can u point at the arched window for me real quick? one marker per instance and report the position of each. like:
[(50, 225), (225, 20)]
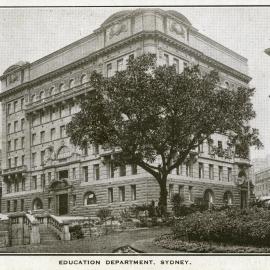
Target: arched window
[(83, 79), (61, 87), (209, 197), (89, 198), (227, 85), (52, 91), (71, 83), (228, 198), (42, 95), (64, 152), (33, 98), (37, 204)]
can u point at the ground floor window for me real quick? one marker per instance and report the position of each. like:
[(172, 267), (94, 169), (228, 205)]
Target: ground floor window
[(22, 204), (110, 195), (37, 204), (209, 197), (15, 205), (8, 206), (170, 191), (227, 198), (90, 198), (133, 193), (121, 194)]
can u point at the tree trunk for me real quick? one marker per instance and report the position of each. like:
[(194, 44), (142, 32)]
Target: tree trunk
[(163, 195)]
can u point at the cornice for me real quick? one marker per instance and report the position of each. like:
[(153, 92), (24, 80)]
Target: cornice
[(141, 35)]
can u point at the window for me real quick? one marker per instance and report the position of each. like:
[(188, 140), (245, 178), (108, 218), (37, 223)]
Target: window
[(15, 144), (8, 206), (189, 169), (37, 204), (166, 57), (9, 146), (9, 108), (9, 163), (131, 57), (9, 128), (120, 65), (90, 198), (23, 184), (83, 79), (229, 175), (179, 169), (22, 142), (15, 206), (220, 147), (190, 193), (109, 70), (110, 195), (42, 116), (134, 169), (42, 136), (49, 203), (73, 173), (74, 200), (181, 191), (122, 171), (85, 173), (49, 176), (228, 198), (34, 182), (22, 123), (133, 193), (61, 87), (43, 181), (95, 149), (211, 171), (8, 187), (16, 186), (112, 168), (22, 103), (201, 170), (62, 131), (176, 64), (71, 83), (220, 173), (15, 126), (42, 95), (200, 147), (170, 191), (96, 171), (52, 134), (22, 205), (33, 98), (34, 159), (15, 106), (85, 151), (16, 161), (34, 135), (42, 157), (121, 194)]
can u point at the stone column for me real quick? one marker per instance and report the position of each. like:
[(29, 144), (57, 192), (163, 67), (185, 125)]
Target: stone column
[(66, 233), (34, 234)]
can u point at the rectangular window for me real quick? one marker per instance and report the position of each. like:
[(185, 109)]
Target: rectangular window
[(120, 66), (110, 195), (220, 173), (22, 205), (42, 116), (42, 136), (201, 170), (62, 131), (22, 142), (85, 151), (134, 169), (112, 168), (15, 126), (52, 134), (34, 162), (49, 203), (200, 147), (166, 57), (43, 181), (122, 171), (170, 191), (85, 173), (211, 171), (49, 176), (109, 70), (133, 193), (176, 64), (16, 161), (22, 103), (34, 182), (121, 194), (181, 191), (15, 144), (190, 193), (34, 136), (95, 149), (74, 200), (16, 186), (9, 128), (229, 174), (9, 163), (42, 157), (9, 146), (22, 124), (96, 171), (15, 206), (23, 184), (9, 108), (73, 173), (8, 206), (15, 106)]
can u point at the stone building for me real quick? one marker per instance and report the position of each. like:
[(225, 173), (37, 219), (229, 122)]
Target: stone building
[(42, 170), (262, 183)]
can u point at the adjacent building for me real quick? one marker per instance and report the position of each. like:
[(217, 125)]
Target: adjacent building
[(262, 183), (42, 170)]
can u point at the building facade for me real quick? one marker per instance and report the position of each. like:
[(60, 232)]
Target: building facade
[(262, 183), (42, 170)]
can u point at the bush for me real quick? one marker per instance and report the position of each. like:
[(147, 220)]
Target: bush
[(76, 232), (104, 213), (226, 226)]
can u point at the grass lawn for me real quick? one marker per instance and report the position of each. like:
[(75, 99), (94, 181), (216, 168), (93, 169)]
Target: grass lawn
[(102, 244)]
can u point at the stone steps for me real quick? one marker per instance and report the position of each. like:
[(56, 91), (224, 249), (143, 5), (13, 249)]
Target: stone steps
[(47, 236)]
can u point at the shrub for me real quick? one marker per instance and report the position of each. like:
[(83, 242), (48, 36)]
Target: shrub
[(76, 232), (104, 213), (226, 226)]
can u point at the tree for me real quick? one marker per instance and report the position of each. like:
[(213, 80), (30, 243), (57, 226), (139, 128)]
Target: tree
[(156, 117)]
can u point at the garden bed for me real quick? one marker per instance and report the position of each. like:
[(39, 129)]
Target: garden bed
[(169, 241)]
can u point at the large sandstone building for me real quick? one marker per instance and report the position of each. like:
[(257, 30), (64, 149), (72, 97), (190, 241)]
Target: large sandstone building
[(40, 167)]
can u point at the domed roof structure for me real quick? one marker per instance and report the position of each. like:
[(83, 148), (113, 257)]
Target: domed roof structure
[(180, 16), (15, 66), (117, 15)]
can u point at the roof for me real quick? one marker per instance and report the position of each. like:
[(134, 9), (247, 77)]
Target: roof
[(16, 66)]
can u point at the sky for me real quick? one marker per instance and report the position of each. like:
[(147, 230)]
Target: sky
[(30, 33)]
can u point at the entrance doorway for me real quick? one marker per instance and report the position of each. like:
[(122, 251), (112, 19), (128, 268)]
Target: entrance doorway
[(63, 204)]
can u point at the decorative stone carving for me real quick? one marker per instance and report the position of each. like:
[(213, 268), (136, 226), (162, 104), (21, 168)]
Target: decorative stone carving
[(117, 29), (178, 29), (13, 78)]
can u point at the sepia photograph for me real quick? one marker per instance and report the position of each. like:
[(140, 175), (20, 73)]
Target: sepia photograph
[(133, 130)]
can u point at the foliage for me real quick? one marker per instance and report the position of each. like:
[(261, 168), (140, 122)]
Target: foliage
[(76, 232), (228, 226), (153, 117), (103, 213)]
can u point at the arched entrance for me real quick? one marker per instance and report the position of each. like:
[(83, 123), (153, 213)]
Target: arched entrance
[(228, 198), (37, 204), (209, 197)]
